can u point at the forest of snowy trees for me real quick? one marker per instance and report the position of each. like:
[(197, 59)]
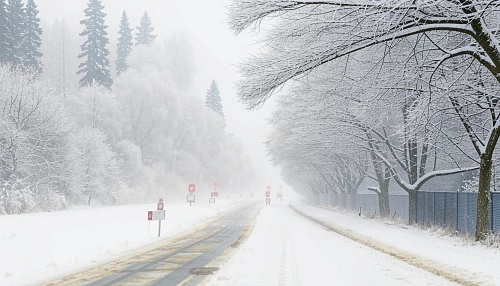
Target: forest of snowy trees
[(78, 127), (396, 90)]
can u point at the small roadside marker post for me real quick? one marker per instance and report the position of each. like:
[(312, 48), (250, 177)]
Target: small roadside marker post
[(191, 198), (268, 195), (159, 207), (214, 194), (158, 215)]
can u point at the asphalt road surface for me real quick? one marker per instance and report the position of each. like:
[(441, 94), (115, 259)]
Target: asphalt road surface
[(182, 260)]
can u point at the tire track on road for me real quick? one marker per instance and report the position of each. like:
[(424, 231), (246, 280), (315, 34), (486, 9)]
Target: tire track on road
[(176, 260)]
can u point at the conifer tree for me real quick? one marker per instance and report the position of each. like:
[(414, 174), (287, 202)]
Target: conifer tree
[(213, 100), (95, 67), (4, 33), (32, 41), (144, 34), (16, 32), (124, 46)]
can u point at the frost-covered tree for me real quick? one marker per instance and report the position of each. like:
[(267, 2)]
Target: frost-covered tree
[(61, 47), (94, 168), (346, 27), (91, 160), (345, 110), (124, 45), (213, 100), (173, 134), (180, 59), (144, 34), (32, 41), (33, 128), (4, 33), (16, 32), (95, 66)]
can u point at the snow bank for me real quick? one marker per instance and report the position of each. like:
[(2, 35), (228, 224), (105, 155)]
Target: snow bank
[(42, 246)]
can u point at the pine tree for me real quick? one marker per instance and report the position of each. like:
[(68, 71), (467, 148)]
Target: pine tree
[(4, 34), (16, 32), (144, 34), (213, 100), (124, 46), (94, 52), (32, 40)]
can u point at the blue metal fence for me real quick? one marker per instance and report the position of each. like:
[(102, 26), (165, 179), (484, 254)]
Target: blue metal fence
[(453, 210), (495, 212), (456, 211)]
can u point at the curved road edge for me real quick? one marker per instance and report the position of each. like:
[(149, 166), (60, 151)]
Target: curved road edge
[(444, 271)]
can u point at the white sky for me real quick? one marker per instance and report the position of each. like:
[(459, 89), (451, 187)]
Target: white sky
[(216, 49)]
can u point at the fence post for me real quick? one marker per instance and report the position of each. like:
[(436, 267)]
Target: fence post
[(416, 207), (458, 219), (434, 207), (491, 212)]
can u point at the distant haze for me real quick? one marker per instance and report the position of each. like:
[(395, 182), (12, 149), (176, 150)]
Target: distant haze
[(216, 50)]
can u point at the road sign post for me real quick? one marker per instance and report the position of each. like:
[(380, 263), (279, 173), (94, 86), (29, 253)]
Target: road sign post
[(214, 194), (190, 199), (268, 195), (158, 215)]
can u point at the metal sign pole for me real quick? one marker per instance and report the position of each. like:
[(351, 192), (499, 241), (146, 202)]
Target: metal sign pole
[(159, 227)]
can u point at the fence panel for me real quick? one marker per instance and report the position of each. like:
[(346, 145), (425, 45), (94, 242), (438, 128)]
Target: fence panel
[(398, 205), (428, 207), (439, 208), (466, 213), (471, 212), (462, 213), (421, 207), (495, 212), (454, 210), (368, 204), (450, 212)]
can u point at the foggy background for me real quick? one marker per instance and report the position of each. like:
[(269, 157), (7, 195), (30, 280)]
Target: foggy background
[(215, 49)]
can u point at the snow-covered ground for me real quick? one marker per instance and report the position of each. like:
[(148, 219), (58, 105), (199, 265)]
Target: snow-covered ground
[(286, 249), (283, 249), (39, 247)]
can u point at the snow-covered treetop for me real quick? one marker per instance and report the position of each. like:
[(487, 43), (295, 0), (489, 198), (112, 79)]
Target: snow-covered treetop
[(308, 34)]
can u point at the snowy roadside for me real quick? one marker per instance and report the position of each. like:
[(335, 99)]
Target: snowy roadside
[(466, 262), (39, 247), (35, 248)]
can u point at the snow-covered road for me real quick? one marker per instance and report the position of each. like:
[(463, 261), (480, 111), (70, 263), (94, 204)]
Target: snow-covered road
[(287, 249), (283, 249)]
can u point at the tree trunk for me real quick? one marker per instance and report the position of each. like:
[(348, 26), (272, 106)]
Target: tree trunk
[(483, 198), (90, 198), (383, 200), (412, 206)]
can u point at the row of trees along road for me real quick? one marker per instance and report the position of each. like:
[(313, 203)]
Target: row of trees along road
[(147, 136), (401, 90)]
